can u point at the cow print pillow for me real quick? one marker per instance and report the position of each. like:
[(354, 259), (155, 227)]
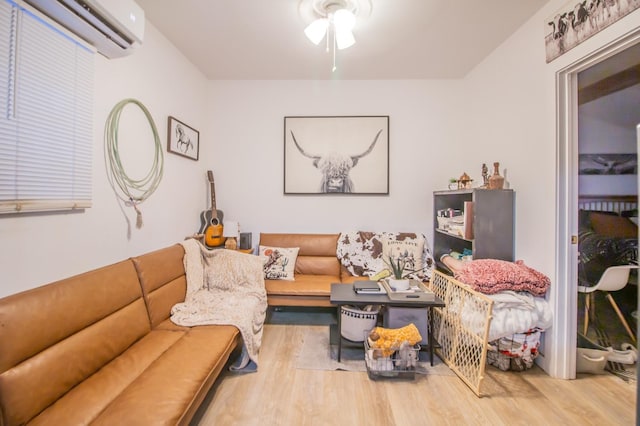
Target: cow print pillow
[(362, 253)]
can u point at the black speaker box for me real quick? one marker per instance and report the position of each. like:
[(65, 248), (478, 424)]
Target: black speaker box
[(245, 240)]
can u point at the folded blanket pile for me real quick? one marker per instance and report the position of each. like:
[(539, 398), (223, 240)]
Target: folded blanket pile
[(224, 287), (518, 291), (490, 276)]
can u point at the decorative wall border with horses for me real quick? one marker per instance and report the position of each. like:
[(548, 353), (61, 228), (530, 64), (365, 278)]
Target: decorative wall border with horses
[(183, 139), (336, 155), (578, 20)]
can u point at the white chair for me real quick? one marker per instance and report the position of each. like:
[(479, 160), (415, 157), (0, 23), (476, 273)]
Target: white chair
[(614, 278)]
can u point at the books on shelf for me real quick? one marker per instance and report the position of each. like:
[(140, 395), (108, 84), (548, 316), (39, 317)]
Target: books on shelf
[(449, 212), (457, 222), (468, 220), (368, 287)]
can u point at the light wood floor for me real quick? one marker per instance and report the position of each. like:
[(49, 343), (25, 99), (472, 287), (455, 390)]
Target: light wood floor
[(280, 394)]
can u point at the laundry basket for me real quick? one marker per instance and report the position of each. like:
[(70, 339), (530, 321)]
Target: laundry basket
[(355, 321), (399, 364)]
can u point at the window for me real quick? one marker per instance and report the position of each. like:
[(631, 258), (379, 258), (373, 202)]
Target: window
[(46, 84)]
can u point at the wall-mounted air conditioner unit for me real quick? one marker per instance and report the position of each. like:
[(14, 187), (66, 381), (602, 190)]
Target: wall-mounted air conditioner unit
[(113, 27)]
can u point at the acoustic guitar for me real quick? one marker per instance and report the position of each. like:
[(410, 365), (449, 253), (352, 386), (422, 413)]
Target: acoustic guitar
[(211, 220)]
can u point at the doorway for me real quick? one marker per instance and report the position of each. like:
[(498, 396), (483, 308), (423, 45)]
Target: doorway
[(567, 189), (608, 100)]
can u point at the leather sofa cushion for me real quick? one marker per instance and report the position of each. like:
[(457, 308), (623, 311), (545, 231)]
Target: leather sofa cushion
[(303, 285), (79, 321), (82, 350), (163, 280), (317, 254), (82, 404), (317, 265), (168, 325), (126, 391), (310, 244), (57, 310), (178, 384)]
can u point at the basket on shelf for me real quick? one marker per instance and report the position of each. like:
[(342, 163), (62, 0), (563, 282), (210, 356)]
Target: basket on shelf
[(401, 364), (354, 322)]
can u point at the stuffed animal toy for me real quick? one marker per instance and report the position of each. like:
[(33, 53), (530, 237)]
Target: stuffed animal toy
[(385, 341), (406, 357)]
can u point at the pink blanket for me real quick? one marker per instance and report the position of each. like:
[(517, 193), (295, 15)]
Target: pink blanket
[(491, 276)]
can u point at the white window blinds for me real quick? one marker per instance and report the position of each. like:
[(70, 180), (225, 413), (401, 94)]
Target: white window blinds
[(46, 95)]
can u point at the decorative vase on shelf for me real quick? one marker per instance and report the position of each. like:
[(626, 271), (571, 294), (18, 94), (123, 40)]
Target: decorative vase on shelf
[(496, 181)]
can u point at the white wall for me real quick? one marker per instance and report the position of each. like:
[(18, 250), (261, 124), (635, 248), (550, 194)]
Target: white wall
[(247, 118), (601, 132), (503, 111), (601, 136), (512, 119), (37, 249), (512, 96)]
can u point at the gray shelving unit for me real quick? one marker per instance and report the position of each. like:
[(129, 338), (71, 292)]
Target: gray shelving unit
[(493, 223)]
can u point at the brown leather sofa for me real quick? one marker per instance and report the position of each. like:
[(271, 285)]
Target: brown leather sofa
[(317, 267), (99, 348)]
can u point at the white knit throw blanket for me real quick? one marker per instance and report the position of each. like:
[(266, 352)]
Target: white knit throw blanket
[(224, 287)]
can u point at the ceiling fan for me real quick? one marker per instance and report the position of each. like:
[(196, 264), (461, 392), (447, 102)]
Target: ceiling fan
[(334, 21)]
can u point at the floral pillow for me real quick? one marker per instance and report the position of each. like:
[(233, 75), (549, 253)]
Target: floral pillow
[(279, 262)]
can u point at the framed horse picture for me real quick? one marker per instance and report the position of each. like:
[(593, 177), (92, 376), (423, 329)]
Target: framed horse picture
[(183, 139)]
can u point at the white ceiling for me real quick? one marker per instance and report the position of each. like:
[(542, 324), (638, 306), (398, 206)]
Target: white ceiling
[(400, 39)]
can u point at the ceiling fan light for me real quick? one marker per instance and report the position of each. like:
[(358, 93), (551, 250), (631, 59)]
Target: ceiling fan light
[(344, 38), (344, 19), (316, 30)]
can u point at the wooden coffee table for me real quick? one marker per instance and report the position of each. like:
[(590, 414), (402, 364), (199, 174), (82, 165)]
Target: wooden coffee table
[(343, 294)]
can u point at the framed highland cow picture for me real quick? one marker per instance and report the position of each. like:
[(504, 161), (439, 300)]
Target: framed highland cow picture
[(336, 155)]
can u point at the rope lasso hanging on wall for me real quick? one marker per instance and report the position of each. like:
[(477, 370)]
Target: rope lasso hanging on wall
[(131, 191)]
